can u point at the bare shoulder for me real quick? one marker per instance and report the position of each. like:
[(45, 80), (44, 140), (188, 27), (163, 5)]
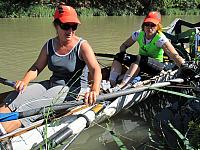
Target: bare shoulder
[(85, 43), (85, 46), (167, 43), (86, 51), (53, 41)]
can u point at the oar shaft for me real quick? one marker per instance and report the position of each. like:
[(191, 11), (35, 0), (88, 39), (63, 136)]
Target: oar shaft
[(43, 110), (50, 109), (105, 55), (7, 82), (10, 83), (136, 90)]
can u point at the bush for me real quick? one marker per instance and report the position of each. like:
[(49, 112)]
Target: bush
[(40, 11)]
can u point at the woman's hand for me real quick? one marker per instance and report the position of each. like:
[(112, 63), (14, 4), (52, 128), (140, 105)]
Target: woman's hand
[(187, 72), (91, 97), (20, 86)]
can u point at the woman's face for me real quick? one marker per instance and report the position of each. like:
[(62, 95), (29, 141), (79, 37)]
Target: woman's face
[(66, 31), (150, 28)]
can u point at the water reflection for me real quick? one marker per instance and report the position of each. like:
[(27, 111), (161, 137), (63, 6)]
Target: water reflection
[(131, 130)]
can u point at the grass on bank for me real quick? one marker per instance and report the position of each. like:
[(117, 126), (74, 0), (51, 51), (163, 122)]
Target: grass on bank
[(171, 11), (16, 11)]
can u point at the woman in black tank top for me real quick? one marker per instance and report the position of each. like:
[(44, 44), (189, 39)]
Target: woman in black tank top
[(65, 55)]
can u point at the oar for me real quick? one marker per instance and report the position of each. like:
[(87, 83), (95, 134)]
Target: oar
[(100, 98), (138, 89), (105, 55), (52, 109), (7, 82), (10, 82)]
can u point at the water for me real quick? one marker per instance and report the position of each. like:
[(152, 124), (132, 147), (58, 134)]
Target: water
[(132, 131), (20, 44)]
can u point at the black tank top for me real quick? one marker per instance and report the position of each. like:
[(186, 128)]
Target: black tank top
[(67, 69)]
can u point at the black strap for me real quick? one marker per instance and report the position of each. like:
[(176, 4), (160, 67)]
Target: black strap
[(86, 118)]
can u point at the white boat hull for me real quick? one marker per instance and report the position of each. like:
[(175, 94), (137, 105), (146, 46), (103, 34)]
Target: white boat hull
[(26, 140)]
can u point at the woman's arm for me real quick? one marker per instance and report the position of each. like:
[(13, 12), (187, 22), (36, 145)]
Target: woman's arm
[(172, 53), (95, 72), (128, 43), (33, 72)]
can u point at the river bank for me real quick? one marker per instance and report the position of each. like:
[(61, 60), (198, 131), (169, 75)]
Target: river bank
[(8, 10)]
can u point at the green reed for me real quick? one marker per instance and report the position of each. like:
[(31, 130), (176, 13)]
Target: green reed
[(190, 140)]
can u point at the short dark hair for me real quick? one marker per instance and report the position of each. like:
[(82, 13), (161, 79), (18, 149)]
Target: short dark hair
[(56, 22)]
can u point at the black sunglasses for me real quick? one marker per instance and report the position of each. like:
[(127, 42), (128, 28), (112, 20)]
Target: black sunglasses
[(66, 26), (149, 24)]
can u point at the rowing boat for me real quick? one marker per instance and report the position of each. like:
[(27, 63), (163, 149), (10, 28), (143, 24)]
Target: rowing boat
[(83, 116), (40, 135)]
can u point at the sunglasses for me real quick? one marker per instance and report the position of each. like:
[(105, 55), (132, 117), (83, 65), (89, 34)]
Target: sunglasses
[(149, 24), (66, 26)]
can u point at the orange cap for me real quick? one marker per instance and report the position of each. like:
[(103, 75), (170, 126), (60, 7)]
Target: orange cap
[(154, 17), (66, 14)]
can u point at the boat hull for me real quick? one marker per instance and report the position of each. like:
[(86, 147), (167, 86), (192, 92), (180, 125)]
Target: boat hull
[(26, 138)]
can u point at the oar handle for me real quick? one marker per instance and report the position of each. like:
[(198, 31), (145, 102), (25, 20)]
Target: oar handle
[(7, 82)]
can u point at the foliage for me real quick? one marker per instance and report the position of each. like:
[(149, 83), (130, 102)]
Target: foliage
[(173, 11), (186, 142), (40, 11), (43, 8), (195, 137), (90, 12)]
